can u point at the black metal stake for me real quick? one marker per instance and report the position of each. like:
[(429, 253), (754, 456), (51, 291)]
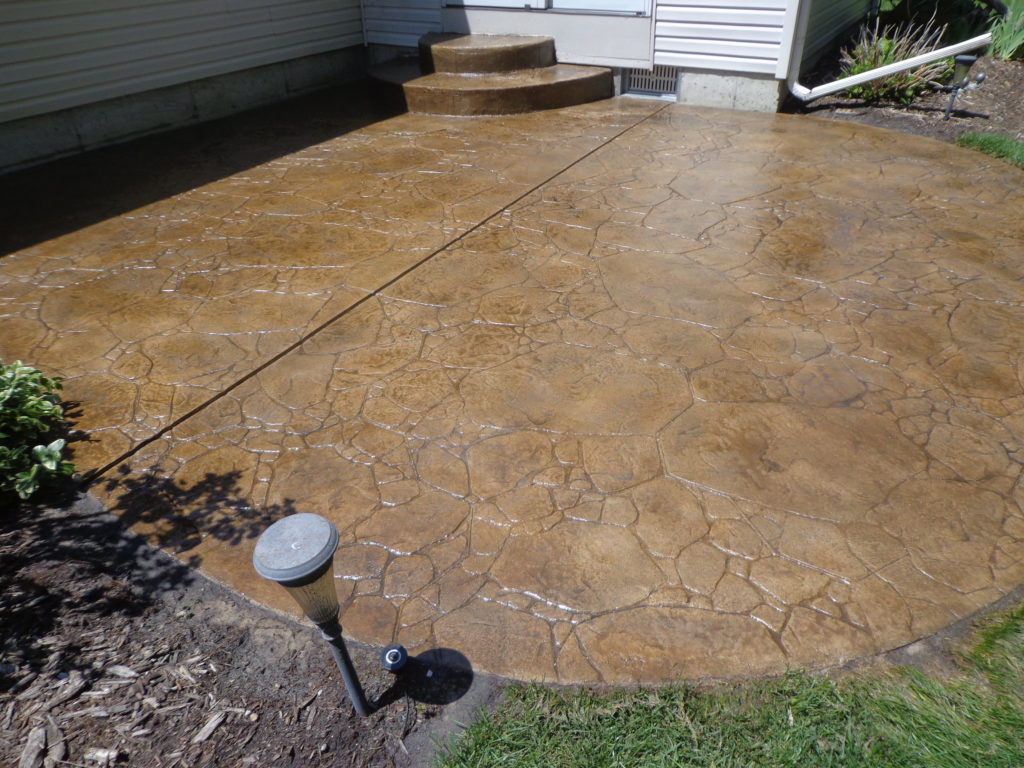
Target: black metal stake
[(961, 80), (331, 631)]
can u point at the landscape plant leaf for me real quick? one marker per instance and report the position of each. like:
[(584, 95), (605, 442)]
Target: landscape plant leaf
[(30, 414)]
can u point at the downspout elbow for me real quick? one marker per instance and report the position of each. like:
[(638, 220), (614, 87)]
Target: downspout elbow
[(796, 53), (801, 92)]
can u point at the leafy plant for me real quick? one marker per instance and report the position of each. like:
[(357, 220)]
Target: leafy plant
[(961, 18), (878, 46), (1008, 33), (996, 145), (30, 414)]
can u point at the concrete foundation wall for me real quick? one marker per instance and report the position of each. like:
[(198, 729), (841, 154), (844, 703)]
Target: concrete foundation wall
[(39, 138), (730, 91)]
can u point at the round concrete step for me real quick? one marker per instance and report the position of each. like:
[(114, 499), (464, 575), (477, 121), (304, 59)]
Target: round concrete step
[(504, 93), (443, 52)]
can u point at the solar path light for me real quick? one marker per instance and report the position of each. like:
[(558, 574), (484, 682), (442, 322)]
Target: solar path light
[(298, 553), (962, 79)]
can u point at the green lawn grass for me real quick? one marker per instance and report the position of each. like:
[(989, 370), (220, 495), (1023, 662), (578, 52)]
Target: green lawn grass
[(996, 145), (901, 719)]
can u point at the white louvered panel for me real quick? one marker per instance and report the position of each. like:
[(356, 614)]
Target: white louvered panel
[(182, 68), (26, 51), (370, 5), (728, 16), (400, 22), (29, 10), (725, 63), (140, 20), (79, 70), (719, 32), (730, 35), (772, 5), (404, 27), (720, 48), (385, 16)]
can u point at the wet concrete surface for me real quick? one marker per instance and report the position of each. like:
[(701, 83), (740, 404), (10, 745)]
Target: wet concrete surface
[(151, 313), (621, 392)]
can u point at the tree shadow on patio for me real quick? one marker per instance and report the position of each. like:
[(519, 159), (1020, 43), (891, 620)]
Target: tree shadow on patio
[(46, 201), (178, 516)]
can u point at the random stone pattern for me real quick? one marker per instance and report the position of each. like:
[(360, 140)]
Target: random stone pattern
[(148, 315), (733, 393)]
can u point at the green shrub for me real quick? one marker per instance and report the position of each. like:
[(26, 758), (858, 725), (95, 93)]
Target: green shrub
[(996, 145), (878, 46), (30, 414), (961, 18), (1008, 33)]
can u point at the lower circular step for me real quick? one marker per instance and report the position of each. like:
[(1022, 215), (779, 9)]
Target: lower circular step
[(527, 90)]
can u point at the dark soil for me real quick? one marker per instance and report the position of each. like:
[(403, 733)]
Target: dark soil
[(997, 106)]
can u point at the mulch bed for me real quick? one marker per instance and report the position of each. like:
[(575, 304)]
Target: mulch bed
[(997, 106), (113, 654)]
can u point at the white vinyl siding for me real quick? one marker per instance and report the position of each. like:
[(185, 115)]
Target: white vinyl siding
[(731, 35), (56, 54), (400, 22), (830, 19)]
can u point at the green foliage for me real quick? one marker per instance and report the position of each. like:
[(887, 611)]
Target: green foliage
[(878, 46), (901, 719), (961, 18), (1008, 33), (996, 145), (30, 414)]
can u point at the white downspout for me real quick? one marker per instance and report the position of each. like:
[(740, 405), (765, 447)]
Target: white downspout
[(805, 94)]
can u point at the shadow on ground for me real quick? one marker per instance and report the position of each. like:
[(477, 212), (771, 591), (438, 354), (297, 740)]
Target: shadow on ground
[(438, 676), (177, 516), (46, 201), (68, 563)]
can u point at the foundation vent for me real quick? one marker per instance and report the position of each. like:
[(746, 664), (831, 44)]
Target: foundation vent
[(659, 81)]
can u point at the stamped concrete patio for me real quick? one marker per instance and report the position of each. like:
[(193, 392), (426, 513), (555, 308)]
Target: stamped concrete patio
[(621, 392)]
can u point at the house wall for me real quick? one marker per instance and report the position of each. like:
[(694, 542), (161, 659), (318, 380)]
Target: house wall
[(57, 54), (605, 40), (400, 22), (746, 36), (828, 19)]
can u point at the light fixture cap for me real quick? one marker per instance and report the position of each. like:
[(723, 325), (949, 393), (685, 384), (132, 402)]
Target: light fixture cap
[(295, 548)]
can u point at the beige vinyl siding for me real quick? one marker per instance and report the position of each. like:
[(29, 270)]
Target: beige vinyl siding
[(828, 20), (56, 54), (400, 22), (731, 35)]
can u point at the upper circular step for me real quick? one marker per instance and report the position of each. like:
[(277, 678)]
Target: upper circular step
[(480, 54)]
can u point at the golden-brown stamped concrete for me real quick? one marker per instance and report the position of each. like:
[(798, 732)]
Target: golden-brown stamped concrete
[(150, 314), (733, 393)]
